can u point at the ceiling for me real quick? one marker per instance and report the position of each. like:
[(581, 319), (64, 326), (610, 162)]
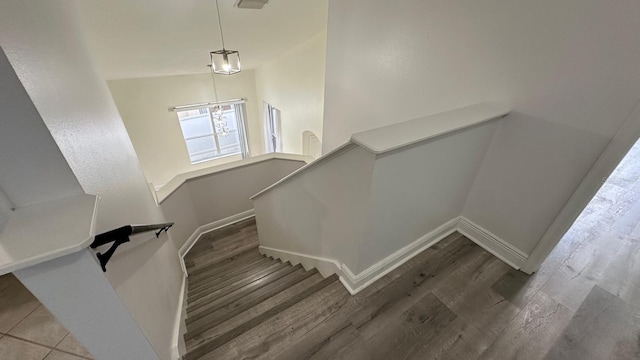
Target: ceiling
[(144, 38)]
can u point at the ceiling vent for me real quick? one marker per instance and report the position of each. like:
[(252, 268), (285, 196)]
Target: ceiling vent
[(251, 4)]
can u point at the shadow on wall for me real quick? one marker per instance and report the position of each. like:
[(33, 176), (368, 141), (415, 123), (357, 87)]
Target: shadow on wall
[(311, 145), (518, 199)]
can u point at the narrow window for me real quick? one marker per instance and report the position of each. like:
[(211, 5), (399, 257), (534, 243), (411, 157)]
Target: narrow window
[(272, 127)]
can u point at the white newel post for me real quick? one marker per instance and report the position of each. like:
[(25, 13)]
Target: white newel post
[(46, 246), (74, 289)]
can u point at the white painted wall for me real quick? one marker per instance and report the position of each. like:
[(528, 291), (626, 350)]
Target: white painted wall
[(227, 193), (417, 189), (33, 168), (6, 209), (214, 197), (178, 207), (74, 289), (145, 104), (43, 42), (294, 83), (321, 212), (355, 208), (569, 70)]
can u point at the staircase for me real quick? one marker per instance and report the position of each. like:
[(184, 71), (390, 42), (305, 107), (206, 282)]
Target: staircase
[(232, 288)]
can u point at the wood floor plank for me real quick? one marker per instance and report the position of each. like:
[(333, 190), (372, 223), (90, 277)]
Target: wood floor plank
[(542, 319), (203, 310), (404, 336), (604, 327), (228, 263), (228, 242), (216, 239), (232, 281), (271, 338), (467, 292), (207, 319), (219, 275), (255, 311), (274, 307), (458, 341), (223, 254), (406, 291)]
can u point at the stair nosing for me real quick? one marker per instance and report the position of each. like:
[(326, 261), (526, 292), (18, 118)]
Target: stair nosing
[(207, 320), (211, 267), (216, 343), (204, 283), (263, 272), (291, 269)]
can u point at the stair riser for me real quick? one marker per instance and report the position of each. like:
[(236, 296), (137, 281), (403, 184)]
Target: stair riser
[(202, 284), (222, 289), (201, 311), (209, 319), (209, 346)]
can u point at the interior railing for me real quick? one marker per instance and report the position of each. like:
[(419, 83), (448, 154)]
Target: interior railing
[(120, 236)]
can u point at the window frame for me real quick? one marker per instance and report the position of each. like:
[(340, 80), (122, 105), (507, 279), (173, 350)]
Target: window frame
[(238, 108)]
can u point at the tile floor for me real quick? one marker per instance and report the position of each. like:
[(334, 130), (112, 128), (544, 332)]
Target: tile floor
[(28, 331)]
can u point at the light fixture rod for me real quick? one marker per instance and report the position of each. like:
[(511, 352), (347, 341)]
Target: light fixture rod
[(220, 24)]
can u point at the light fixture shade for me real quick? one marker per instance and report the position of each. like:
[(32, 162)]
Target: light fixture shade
[(225, 62)]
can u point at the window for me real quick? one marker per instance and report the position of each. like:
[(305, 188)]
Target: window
[(273, 132), (214, 131)]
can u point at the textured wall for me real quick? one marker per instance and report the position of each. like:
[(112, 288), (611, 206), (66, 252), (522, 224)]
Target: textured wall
[(43, 42), (568, 70), (294, 83)]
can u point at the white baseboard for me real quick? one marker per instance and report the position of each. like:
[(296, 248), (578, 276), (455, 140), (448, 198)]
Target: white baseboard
[(357, 282), (325, 266), (492, 243), (178, 347), (184, 249)]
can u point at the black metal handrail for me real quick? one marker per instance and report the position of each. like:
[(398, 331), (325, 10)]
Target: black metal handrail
[(120, 236)]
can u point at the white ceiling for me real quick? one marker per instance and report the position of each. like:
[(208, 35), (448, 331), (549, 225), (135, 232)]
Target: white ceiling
[(143, 38)]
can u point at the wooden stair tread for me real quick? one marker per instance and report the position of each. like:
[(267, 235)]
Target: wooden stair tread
[(236, 326), (208, 318), (221, 289), (228, 263), (219, 234), (222, 254), (254, 311), (203, 309), (229, 242), (214, 278)]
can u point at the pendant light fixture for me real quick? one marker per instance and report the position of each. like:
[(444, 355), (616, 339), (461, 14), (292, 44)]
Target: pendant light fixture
[(220, 124), (224, 62)]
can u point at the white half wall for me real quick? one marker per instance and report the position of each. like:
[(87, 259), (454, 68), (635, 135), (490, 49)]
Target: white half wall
[(385, 196), (417, 189), (321, 212), (75, 290), (228, 193), (154, 129), (293, 82), (568, 70), (45, 46)]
